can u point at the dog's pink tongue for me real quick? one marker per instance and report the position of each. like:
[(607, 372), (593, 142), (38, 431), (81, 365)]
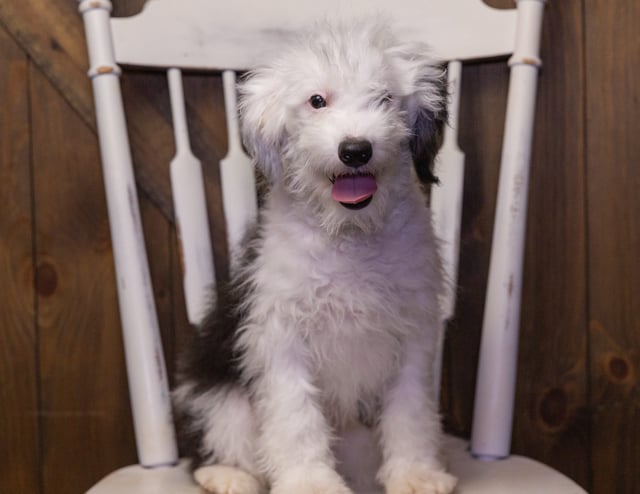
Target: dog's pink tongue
[(352, 189)]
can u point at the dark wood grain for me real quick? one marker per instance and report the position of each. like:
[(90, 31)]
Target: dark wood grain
[(551, 419), (85, 419), (481, 121), (52, 34), (19, 450), (500, 4), (157, 235), (182, 329), (125, 8), (613, 154)]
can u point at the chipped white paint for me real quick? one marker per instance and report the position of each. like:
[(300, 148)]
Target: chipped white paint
[(146, 369), (236, 174), (497, 368)]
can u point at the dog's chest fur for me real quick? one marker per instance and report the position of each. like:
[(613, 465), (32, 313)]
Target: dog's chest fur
[(347, 303)]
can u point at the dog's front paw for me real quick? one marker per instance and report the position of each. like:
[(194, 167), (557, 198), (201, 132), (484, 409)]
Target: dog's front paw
[(221, 479), (420, 479), (316, 479)]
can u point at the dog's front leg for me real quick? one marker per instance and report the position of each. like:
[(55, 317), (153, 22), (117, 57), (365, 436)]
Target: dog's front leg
[(295, 438), (410, 428)]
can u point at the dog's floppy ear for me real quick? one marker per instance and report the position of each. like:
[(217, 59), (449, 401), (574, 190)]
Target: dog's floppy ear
[(426, 138), (425, 89), (262, 120)]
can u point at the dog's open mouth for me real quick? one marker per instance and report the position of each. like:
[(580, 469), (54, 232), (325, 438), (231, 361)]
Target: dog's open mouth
[(354, 191)]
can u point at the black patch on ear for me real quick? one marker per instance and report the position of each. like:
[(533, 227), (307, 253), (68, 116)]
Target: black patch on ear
[(425, 145), (427, 137)]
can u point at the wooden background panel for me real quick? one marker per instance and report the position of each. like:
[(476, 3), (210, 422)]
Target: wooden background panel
[(19, 438), (86, 427), (52, 34), (481, 122), (157, 236), (551, 418), (613, 154)]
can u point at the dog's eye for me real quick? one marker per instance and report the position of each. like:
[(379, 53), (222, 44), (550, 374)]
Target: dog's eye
[(386, 98), (317, 101)]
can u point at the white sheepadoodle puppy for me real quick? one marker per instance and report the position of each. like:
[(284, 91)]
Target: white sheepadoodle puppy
[(324, 340)]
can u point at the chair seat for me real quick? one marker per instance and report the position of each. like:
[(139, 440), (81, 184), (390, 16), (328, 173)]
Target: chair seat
[(515, 474), (140, 480)]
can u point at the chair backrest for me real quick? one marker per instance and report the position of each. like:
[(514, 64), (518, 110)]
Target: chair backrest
[(231, 36)]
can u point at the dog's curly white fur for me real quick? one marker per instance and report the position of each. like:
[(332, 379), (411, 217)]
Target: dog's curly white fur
[(333, 316)]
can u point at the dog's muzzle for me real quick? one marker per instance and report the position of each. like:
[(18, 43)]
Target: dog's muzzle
[(354, 190)]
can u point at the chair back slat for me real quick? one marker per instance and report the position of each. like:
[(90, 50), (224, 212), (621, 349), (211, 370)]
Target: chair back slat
[(446, 197), (190, 210), (236, 174), (446, 208)]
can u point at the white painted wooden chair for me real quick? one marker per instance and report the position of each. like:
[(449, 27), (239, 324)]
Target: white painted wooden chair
[(229, 36)]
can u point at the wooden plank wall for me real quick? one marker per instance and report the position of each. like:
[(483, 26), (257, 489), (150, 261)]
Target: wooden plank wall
[(64, 417), (19, 369), (613, 154)]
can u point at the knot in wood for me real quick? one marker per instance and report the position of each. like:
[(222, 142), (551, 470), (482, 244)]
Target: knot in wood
[(46, 281), (618, 368), (553, 409)]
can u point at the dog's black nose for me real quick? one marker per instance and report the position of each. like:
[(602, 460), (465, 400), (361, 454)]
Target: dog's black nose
[(355, 152)]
